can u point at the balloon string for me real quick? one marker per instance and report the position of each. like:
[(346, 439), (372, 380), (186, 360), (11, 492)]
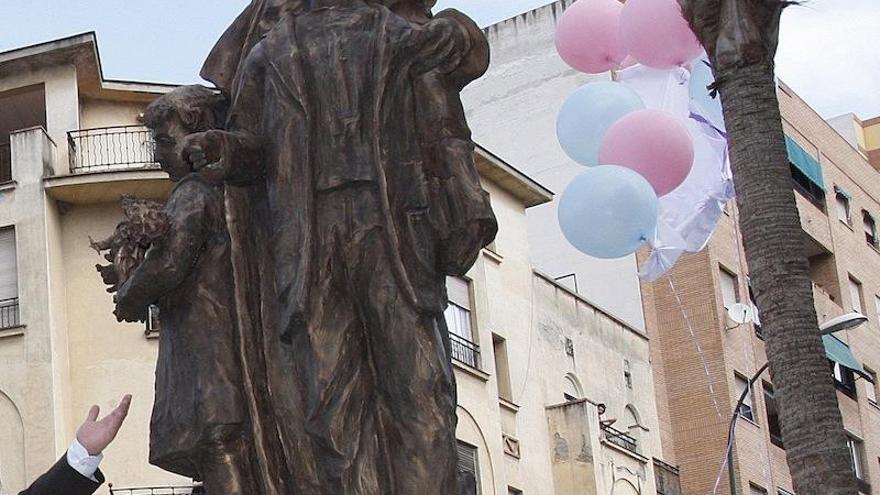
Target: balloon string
[(699, 347)]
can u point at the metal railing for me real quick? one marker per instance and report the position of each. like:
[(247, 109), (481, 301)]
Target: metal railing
[(619, 438), (464, 351), (111, 148), (5, 163), (167, 490), (9, 313)]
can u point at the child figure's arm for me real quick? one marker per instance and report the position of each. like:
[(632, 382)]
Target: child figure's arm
[(170, 259)]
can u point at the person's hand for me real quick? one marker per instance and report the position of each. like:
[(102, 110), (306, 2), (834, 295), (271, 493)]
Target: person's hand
[(95, 435), (201, 149)]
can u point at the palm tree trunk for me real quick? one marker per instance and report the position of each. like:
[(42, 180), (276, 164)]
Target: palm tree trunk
[(773, 239)]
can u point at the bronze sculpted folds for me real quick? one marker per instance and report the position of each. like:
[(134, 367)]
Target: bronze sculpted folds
[(350, 194)]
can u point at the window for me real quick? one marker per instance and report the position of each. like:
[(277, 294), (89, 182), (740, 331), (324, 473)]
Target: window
[(153, 324), (877, 306), (806, 171), (627, 374), (468, 470), (871, 386), (502, 368), (458, 320), (857, 456), (855, 295), (842, 200), (756, 321), (746, 409), (729, 292), (9, 314), (783, 491), (756, 490), (772, 416), (844, 379), (513, 491), (870, 228), (572, 389)]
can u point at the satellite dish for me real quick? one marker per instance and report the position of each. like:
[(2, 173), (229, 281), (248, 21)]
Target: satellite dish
[(740, 313)]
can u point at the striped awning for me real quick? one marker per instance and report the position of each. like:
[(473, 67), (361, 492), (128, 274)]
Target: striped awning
[(805, 162), (839, 352)]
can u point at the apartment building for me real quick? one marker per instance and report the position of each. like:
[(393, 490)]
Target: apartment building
[(556, 395), (703, 359)]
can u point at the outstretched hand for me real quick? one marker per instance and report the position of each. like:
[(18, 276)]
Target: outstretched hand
[(95, 435)]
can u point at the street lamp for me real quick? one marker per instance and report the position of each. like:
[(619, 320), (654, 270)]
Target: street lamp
[(836, 324), (843, 322)]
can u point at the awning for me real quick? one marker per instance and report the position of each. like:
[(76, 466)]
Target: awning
[(805, 162), (841, 191), (839, 352)]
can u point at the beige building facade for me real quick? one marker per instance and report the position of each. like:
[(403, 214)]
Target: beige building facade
[(556, 395), (703, 359)]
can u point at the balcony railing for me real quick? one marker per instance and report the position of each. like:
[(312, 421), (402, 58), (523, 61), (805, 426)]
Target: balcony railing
[(464, 351), (9, 313), (111, 148), (169, 490), (619, 438), (5, 163)]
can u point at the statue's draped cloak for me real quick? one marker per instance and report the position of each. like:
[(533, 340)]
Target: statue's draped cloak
[(277, 164)]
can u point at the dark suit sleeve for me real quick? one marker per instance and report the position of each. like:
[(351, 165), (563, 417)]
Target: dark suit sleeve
[(64, 480)]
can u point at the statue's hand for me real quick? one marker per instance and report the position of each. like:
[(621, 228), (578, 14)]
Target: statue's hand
[(202, 149), (125, 310), (109, 276)]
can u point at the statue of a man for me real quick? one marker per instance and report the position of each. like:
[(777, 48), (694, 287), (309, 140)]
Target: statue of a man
[(340, 258)]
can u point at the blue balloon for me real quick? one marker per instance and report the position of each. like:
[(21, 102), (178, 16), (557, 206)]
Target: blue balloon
[(588, 113), (701, 79), (608, 211)]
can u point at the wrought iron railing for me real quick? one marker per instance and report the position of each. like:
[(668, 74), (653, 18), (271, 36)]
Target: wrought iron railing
[(111, 148), (5, 163), (9, 313), (168, 490), (464, 351), (619, 438)]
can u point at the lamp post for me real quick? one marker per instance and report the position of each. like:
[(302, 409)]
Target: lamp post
[(836, 324)]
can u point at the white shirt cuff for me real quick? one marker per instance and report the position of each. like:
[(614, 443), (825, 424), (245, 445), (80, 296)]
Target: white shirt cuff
[(83, 463)]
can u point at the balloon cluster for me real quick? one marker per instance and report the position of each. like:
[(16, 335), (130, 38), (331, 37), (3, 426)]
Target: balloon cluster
[(633, 154)]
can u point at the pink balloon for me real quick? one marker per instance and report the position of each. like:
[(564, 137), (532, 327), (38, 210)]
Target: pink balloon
[(655, 144), (588, 36), (657, 35)]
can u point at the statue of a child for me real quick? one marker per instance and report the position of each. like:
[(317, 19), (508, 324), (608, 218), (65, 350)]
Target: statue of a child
[(200, 425)]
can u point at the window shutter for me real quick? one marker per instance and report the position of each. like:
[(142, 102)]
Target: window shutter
[(855, 294), (728, 289), (459, 291), (8, 265), (468, 471)]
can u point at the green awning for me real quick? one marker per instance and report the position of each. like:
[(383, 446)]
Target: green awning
[(839, 352), (805, 162), (841, 191)]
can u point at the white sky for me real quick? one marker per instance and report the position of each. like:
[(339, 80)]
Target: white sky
[(829, 54)]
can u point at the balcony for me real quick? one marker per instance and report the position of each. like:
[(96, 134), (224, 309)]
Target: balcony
[(5, 163), (464, 351), (619, 438), (108, 163), (169, 490), (9, 314), (110, 149)]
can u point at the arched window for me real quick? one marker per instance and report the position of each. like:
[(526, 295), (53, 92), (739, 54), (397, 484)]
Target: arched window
[(572, 389), (12, 475)]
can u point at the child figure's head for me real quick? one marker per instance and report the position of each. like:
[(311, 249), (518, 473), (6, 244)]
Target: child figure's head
[(173, 116)]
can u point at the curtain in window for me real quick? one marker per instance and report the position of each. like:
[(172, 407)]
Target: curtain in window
[(8, 266)]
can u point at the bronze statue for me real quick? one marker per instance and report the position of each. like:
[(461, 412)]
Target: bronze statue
[(350, 194), (200, 426)]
